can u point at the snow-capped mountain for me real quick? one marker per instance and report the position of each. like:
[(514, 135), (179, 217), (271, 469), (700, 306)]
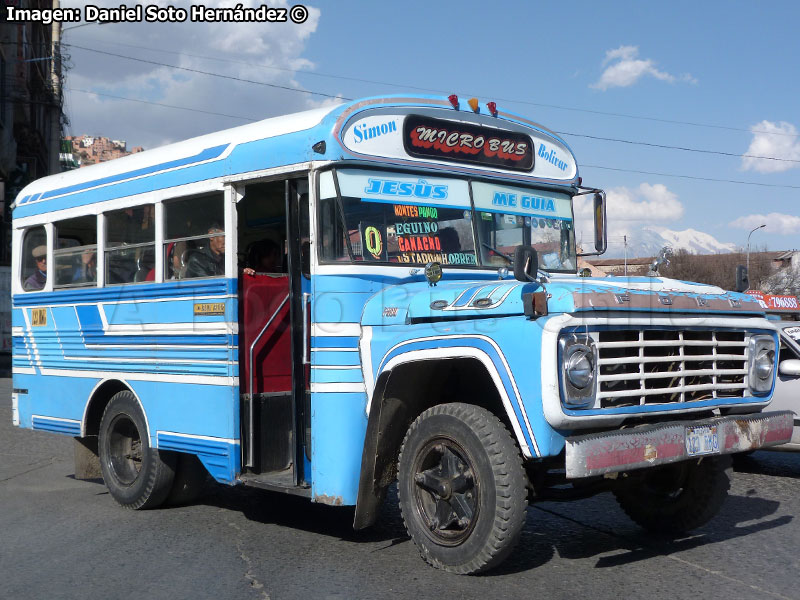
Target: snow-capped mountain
[(649, 240)]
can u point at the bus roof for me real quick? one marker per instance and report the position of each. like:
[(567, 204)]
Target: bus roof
[(364, 130)]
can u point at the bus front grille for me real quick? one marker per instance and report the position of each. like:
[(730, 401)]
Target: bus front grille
[(663, 366)]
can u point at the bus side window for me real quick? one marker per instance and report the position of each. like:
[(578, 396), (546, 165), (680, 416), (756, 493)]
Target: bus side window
[(194, 237), (130, 244), (34, 259), (75, 252)]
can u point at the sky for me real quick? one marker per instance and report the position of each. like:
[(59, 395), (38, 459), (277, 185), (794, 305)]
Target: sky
[(719, 77)]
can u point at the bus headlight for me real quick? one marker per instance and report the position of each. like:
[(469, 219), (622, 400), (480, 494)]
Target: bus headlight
[(761, 367), (578, 371)]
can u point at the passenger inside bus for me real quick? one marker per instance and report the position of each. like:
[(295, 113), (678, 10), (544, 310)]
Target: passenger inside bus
[(39, 277), (264, 256), (86, 271), (210, 260)]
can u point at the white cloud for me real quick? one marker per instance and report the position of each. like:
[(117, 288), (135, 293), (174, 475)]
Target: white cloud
[(779, 140), (629, 211), (263, 52), (626, 69), (776, 223), (647, 203)]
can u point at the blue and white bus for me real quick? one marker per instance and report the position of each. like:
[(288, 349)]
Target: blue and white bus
[(385, 290)]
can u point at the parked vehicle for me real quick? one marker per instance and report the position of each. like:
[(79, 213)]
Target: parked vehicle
[(384, 290), (787, 385)]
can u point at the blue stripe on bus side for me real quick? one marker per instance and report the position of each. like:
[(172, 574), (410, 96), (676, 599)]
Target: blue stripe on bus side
[(336, 375), (334, 342), (203, 155), (72, 428), (338, 359), (156, 340), (163, 313), (220, 457), (187, 288), (245, 157)]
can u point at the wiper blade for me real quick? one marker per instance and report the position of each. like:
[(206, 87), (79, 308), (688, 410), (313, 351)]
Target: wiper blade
[(496, 251)]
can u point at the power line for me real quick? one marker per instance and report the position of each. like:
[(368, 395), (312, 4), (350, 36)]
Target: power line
[(439, 91), (220, 75), (346, 98), (772, 185), (683, 148), (198, 110), (582, 166), (617, 140), (282, 69)]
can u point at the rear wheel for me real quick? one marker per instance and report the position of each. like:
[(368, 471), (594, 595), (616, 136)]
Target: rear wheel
[(676, 498), (462, 488), (136, 475)]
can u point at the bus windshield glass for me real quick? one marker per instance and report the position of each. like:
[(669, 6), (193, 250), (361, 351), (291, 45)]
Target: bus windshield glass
[(396, 218), (510, 216)]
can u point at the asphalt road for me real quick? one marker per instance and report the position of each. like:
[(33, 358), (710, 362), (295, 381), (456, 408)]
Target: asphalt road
[(63, 538)]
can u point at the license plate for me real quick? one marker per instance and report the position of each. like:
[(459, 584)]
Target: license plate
[(702, 440)]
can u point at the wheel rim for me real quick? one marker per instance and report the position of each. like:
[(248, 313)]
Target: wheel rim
[(124, 450), (446, 491)]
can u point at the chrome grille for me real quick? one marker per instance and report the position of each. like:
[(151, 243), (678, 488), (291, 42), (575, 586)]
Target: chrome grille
[(663, 366)]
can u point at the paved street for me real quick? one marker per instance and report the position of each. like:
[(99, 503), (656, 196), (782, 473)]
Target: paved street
[(62, 538)]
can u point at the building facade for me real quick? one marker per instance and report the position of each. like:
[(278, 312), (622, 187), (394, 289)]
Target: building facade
[(89, 150), (31, 115)]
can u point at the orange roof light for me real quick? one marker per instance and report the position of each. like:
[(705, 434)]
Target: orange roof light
[(473, 104)]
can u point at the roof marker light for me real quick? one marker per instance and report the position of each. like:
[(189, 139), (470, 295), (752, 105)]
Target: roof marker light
[(492, 106), (473, 104), (453, 100)]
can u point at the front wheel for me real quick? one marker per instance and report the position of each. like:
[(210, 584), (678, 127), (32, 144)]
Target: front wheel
[(462, 488), (676, 498), (136, 475)]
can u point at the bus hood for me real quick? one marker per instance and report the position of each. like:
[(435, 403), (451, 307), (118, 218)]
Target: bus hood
[(419, 302)]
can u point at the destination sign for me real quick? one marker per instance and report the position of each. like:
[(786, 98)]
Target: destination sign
[(425, 137)]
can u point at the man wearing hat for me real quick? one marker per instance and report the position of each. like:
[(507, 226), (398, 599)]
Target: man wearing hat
[(39, 277)]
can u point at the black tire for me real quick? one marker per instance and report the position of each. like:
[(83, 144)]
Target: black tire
[(190, 480), (461, 447), (677, 498), (136, 475)]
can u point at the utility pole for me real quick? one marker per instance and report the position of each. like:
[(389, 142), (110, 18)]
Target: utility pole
[(625, 244)]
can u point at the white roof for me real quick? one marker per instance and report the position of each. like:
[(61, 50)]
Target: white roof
[(245, 133)]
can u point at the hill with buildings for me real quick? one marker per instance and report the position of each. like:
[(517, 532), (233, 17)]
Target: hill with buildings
[(84, 150)]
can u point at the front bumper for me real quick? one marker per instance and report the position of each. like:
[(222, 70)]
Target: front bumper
[(651, 445)]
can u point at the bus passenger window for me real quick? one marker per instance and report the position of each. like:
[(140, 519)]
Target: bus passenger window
[(34, 259), (194, 237), (75, 252), (130, 245)]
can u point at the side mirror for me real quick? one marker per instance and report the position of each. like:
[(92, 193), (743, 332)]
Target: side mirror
[(600, 225), (600, 242), (789, 368), (526, 263)]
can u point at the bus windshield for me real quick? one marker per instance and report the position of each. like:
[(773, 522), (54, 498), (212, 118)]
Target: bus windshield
[(416, 219), (397, 218), (509, 216)]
